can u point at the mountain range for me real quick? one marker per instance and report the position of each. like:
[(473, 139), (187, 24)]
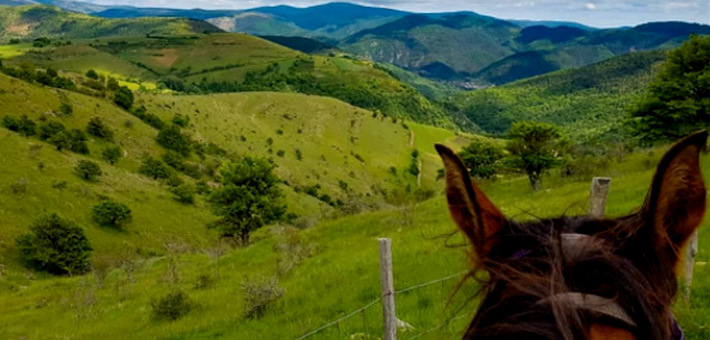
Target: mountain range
[(463, 48)]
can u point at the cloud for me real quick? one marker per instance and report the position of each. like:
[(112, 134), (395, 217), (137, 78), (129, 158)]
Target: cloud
[(590, 6)]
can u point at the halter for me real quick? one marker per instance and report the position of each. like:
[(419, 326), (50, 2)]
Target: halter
[(591, 302)]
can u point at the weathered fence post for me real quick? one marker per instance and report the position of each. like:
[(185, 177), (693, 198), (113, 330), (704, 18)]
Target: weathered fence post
[(387, 280), (597, 196), (691, 251)]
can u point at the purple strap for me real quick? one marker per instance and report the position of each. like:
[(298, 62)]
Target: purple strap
[(677, 332)]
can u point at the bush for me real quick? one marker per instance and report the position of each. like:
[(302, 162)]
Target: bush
[(111, 214), (171, 138), (111, 154), (181, 120), (299, 155), (66, 109), (49, 129), (174, 160), (155, 168), (74, 140), (123, 97), (87, 170), (184, 193), (97, 128), (280, 153), (92, 74), (23, 125), (172, 306), (259, 294), (56, 245)]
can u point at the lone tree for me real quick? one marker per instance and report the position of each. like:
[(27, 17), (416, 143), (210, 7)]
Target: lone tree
[(482, 159), (111, 214), (111, 154), (87, 170), (677, 101), (535, 148), (248, 199), (57, 245)]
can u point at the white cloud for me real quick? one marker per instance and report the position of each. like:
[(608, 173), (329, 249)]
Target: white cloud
[(590, 6)]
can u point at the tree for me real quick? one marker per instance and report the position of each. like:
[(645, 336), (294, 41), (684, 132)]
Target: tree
[(482, 159), (678, 101), (534, 148), (111, 154), (171, 138), (96, 127), (49, 129), (155, 168), (66, 109), (57, 245), (112, 84), (87, 170), (74, 140), (123, 97), (111, 214), (92, 74), (248, 199)]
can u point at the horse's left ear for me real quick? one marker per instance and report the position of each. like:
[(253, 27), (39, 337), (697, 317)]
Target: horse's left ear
[(675, 205), (472, 211)]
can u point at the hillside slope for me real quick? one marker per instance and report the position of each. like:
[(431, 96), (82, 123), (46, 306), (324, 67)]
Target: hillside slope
[(586, 101), (29, 22)]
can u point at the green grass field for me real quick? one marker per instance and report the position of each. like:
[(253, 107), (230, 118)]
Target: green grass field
[(340, 276)]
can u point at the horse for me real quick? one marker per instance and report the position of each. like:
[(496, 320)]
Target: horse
[(579, 277)]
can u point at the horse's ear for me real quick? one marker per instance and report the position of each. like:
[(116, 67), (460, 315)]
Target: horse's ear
[(675, 204), (472, 211)]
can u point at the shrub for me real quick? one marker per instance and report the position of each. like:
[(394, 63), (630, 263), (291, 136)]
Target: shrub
[(299, 155), (172, 306), (184, 193), (74, 140), (111, 154), (24, 126), (181, 120), (96, 127), (123, 97), (112, 84), (11, 123), (87, 170), (280, 153), (171, 138), (259, 294), (49, 129), (174, 160), (155, 168), (111, 214), (92, 74), (56, 245), (66, 109)]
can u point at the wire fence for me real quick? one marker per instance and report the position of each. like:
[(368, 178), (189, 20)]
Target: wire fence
[(422, 301)]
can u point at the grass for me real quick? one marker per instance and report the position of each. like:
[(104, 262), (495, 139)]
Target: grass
[(340, 276)]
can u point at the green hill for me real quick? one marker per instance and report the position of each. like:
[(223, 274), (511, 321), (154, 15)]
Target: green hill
[(29, 22), (586, 101), (232, 62)]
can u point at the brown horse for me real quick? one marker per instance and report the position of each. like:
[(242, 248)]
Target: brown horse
[(578, 277)]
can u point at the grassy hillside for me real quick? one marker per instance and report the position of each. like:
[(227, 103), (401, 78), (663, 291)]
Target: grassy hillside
[(29, 22), (587, 101), (339, 276), (219, 63)]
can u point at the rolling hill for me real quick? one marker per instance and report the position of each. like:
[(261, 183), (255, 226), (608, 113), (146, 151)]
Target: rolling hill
[(233, 62), (587, 101), (30, 22)]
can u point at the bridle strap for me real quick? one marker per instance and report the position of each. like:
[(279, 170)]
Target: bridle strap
[(595, 303)]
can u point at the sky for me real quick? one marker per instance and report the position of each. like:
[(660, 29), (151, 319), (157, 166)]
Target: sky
[(598, 13)]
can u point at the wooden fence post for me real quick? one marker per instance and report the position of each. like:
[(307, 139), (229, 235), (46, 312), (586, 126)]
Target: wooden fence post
[(690, 252), (597, 196), (387, 280)]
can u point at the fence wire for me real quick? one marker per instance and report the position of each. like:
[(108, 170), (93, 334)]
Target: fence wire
[(404, 290)]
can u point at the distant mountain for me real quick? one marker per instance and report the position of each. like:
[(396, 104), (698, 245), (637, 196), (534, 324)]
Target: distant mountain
[(552, 24), (27, 22)]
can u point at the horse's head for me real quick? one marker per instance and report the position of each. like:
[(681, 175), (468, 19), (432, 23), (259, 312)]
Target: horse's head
[(578, 277)]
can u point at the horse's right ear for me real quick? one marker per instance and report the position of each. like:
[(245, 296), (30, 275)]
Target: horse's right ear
[(472, 211)]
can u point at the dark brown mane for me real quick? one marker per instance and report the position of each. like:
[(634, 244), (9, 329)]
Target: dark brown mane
[(627, 262)]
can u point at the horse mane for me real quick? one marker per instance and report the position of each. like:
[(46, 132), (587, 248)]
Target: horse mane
[(530, 265)]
